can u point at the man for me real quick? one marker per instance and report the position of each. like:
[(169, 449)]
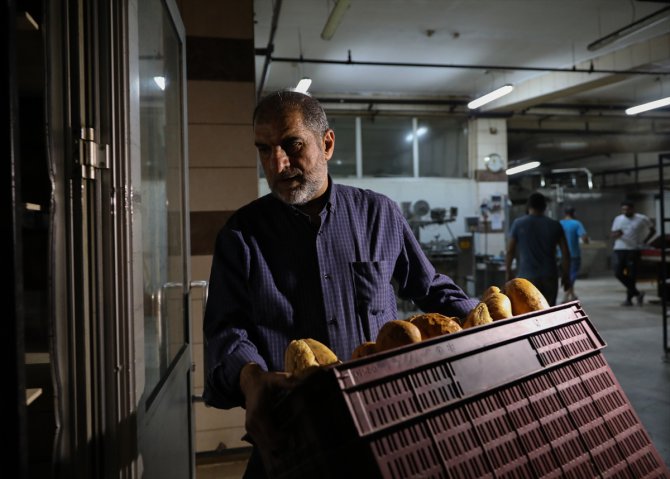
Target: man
[(574, 234), (533, 240), (313, 259), (630, 231)]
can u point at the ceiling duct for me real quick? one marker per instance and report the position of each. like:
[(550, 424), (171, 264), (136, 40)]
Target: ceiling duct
[(555, 146)]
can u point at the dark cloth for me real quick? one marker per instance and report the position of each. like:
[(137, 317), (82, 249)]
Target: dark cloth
[(626, 262), (277, 277), (255, 468), (575, 266), (536, 240)]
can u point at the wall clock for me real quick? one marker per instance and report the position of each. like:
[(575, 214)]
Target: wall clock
[(494, 163)]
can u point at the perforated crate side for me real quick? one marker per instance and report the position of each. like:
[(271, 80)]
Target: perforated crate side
[(527, 397), (391, 389)]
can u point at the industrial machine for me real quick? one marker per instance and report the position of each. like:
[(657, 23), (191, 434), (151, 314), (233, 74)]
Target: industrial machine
[(449, 254)]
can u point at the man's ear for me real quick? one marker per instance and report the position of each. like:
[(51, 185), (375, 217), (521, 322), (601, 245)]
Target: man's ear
[(329, 144)]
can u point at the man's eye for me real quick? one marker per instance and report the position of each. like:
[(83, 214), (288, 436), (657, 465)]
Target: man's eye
[(292, 147)]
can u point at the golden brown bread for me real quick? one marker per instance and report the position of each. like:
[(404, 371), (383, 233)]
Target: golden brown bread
[(489, 291), (396, 333), (323, 354), (432, 325), (499, 306), (478, 316), (303, 356), (525, 297), (364, 349)]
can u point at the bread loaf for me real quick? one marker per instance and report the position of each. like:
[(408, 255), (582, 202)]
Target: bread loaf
[(489, 291), (478, 316), (364, 349), (499, 306), (432, 325), (303, 356), (524, 296), (396, 333)]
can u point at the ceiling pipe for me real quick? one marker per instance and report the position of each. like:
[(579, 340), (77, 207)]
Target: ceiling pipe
[(269, 49), (589, 175), (349, 61)]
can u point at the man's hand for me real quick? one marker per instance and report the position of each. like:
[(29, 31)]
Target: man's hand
[(262, 390)]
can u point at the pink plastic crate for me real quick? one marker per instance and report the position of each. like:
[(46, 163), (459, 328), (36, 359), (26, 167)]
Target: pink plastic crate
[(531, 396)]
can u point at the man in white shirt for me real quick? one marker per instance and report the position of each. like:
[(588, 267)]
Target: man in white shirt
[(630, 231)]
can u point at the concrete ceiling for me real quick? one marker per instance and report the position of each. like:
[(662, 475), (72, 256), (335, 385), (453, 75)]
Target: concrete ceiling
[(436, 55)]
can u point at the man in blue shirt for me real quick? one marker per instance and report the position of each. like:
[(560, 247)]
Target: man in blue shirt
[(313, 259), (574, 233), (533, 239)]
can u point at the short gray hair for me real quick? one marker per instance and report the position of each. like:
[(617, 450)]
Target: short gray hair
[(282, 101)]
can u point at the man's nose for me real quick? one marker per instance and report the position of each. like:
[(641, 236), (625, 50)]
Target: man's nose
[(279, 158)]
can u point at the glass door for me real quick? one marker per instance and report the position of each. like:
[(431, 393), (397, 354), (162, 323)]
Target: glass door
[(165, 425)]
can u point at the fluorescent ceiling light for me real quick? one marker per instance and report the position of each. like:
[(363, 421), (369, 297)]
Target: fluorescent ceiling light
[(160, 81), (634, 110), (524, 167), (303, 85), (489, 97), (635, 27), (334, 19)]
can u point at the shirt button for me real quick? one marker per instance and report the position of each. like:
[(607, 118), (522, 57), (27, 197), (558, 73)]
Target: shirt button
[(326, 276), (332, 321)]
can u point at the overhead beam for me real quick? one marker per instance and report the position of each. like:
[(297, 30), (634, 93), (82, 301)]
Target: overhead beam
[(623, 63)]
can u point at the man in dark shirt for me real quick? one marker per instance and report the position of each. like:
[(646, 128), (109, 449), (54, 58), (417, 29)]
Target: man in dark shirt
[(313, 259), (533, 239)]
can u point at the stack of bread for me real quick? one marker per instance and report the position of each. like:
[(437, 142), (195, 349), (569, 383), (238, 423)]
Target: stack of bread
[(519, 296)]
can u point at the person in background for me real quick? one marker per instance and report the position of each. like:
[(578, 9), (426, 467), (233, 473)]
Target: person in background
[(533, 239), (574, 234), (630, 231), (312, 259)]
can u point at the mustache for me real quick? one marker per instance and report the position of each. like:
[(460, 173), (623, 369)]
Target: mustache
[(289, 173)]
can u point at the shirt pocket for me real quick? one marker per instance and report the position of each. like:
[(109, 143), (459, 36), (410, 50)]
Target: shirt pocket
[(373, 294)]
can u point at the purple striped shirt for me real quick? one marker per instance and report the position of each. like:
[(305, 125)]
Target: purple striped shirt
[(276, 277)]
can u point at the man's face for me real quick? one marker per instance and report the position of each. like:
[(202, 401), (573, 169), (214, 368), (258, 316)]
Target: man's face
[(293, 157), (627, 210)]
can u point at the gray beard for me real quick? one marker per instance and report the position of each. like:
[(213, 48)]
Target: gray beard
[(307, 190)]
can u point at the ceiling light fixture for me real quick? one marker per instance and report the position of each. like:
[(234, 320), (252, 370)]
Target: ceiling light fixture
[(303, 85), (523, 167), (652, 105), (489, 97), (635, 27), (334, 19)]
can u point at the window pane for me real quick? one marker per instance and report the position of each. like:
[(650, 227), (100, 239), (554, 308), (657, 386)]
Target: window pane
[(162, 211), (343, 162), (386, 149), (443, 148)]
